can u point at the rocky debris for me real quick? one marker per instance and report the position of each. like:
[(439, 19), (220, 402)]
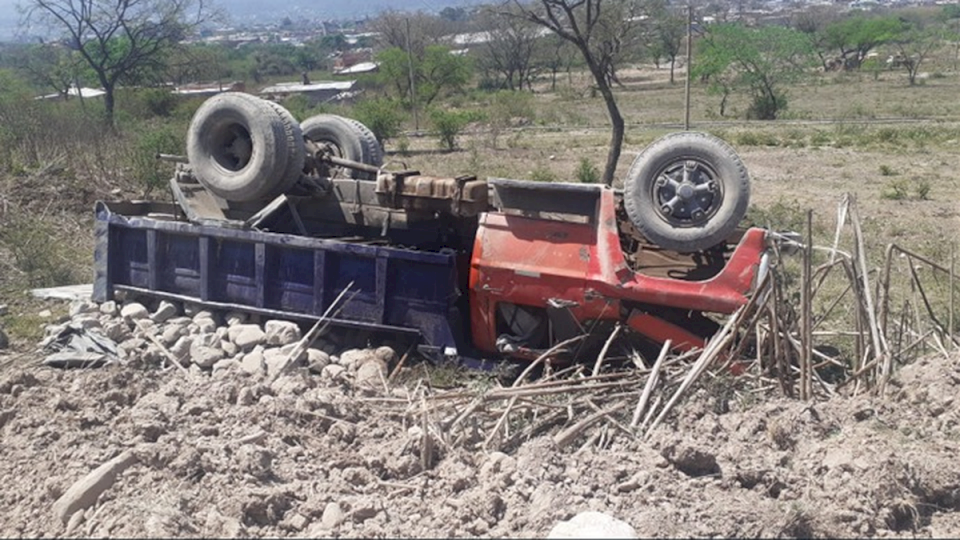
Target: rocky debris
[(165, 311), (592, 525), (85, 492), (281, 332), (134, 312)]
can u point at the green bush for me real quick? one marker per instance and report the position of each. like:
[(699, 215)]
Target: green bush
[(543, 174), (383, 116), (587, 172), (449, 125), (144, 165)]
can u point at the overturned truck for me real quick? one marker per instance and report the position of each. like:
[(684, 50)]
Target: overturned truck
[(278, 218)]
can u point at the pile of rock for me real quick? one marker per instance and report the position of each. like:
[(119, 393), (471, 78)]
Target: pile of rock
[(212, 342)]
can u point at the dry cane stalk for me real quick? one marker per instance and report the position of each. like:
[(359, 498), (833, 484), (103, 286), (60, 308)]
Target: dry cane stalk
[(651, 383)]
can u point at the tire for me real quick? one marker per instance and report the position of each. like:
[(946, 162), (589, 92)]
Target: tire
[(372, 151), (346, 141), (295, 137), (242, 149), (687, 212)]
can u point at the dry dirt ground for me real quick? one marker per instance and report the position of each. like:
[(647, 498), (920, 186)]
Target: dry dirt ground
[(308, 456)]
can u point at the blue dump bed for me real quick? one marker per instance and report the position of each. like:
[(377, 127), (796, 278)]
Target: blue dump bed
[(141, 248)]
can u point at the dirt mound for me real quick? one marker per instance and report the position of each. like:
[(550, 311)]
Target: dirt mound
[(226, 454)]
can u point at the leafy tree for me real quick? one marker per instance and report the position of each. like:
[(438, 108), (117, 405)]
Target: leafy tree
[(449, 125), (757, 60), (813, 22), (435, 73), (603, 31), (914, 45), (49, 65), (667, 37), (120, 40), (855, 36)]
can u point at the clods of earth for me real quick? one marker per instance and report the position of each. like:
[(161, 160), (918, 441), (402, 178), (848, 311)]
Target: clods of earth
[(233, 442)]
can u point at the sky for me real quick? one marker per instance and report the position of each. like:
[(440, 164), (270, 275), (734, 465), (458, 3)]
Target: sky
[(245, 9)]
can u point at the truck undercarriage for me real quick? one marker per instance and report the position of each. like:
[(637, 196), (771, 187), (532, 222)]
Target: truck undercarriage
[(468, 268)]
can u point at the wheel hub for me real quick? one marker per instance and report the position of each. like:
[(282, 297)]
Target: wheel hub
[(686, 193)]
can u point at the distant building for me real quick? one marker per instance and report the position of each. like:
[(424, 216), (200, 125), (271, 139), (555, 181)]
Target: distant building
[(315, 92), (73, 91), (209, 89), (357, 69)]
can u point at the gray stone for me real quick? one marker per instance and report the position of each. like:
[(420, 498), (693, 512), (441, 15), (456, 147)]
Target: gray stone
[(333, 372), (245, 396), (45, 314), (386, 354), (180, 321), (592, 525), (317, 360), (281, 332), (171, 334), (134, 312), (372, 373), (81, 307), (181, 349), (246, 336), (205, 325), (287, 350), (109, 308), (204, 314), (130, 347), (165, 312), (87, 321), (205, 356), (226, 365), (274, 360), (333, 516), (190, 309), (229, 349), (253, 362), (233, 318), (353, 358), (141, 326), (4, 310)]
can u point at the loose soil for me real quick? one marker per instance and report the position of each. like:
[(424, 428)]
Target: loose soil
[(229, 455)]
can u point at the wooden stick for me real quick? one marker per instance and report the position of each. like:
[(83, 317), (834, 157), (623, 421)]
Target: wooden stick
[(651, 383), (876, 333), (165, 351), (606, 347), (319, 327), (403, 360), (570, 434)]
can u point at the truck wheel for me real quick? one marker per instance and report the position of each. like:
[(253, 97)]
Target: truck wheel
[(295, 137), (343, 139), (687, 191), (242, 149), (372, 151)]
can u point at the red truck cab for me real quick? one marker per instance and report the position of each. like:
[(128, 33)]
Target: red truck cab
[(549, 264)]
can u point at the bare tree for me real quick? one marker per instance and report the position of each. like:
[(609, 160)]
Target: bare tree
[(49, 65), (509, 51), (120, 39), (602, 31), (411, 32)]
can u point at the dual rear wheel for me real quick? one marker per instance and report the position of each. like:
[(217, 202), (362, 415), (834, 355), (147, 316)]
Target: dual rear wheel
[(243, 148)]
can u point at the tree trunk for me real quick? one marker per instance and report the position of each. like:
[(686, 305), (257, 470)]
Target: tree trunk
[(108, 104), (616, 122), (673, 63)]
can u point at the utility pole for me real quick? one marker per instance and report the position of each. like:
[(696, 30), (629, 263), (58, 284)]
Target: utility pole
[(686, 85), (413, 83)]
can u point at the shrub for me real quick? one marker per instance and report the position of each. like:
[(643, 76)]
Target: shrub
[(144, 165), (587, 172), (542, 174), (383, 116), (895, 190), (449, 125), (886, 170)]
